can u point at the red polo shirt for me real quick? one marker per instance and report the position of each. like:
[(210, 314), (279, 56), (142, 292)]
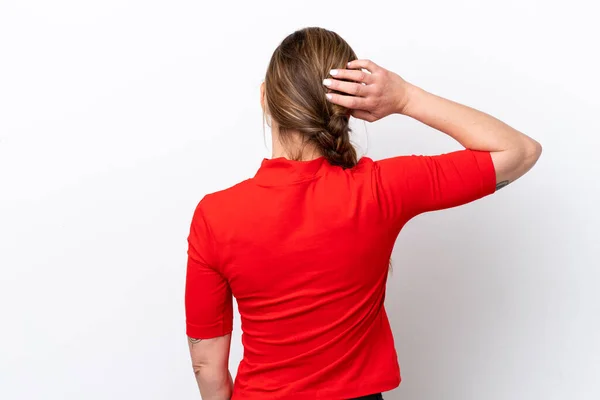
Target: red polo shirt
[(304, 247)]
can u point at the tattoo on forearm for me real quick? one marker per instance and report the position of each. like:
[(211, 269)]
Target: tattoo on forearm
[(500, 185), (193, 341)]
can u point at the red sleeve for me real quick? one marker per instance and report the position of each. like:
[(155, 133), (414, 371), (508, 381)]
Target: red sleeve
[(409, 185), (208, 299)]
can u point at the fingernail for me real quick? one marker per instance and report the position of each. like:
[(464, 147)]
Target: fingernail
[(326, 82), (333, 72), (329, 96)]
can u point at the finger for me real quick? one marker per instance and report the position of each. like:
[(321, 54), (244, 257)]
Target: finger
[(352, 75), (366, 64), (355, 89), (347, 101)]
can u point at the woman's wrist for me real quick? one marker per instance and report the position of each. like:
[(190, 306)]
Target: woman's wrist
[(408, 96)]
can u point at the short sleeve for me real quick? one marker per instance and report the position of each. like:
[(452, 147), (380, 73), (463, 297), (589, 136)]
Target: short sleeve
[(406, 186), (208, 299)]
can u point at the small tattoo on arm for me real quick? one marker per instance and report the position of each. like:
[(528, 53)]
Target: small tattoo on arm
[(502, 184), (193, 341)]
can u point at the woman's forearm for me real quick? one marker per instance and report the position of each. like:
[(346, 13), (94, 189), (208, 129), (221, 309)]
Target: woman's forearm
[(472, 128)]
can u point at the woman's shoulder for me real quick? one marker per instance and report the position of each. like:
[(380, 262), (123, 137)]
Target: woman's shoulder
[(364, 164), (216, 202), (364, 161)]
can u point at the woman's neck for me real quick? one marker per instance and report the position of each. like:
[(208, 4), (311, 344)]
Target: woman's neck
[(294, 146)]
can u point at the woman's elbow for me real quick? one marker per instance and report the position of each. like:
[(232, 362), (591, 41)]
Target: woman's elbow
[(526, 156), (513, 163), (532, 152)]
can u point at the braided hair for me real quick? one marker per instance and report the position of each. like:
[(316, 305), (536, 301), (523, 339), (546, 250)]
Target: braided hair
[(295, 95)]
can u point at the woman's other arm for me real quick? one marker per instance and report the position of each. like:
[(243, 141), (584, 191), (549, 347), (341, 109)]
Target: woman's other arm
[(208, 311)]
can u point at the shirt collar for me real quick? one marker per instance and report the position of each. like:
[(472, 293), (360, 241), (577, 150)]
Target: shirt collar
[(280, 170)]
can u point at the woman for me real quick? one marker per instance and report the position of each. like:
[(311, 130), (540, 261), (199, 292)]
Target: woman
[(304, 245)]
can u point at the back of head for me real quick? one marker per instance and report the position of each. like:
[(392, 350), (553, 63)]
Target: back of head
[(295, 94)]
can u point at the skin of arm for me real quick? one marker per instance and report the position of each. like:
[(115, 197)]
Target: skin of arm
[(513, 152), (379, 92), (210, 359)]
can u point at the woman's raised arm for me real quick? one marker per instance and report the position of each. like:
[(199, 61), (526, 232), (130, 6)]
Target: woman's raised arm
[(379, 92)]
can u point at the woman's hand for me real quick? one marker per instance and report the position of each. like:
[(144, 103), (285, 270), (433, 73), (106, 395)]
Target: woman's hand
[(372, 95)]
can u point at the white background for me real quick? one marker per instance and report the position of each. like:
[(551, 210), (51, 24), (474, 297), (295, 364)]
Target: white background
[(116, 117)]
